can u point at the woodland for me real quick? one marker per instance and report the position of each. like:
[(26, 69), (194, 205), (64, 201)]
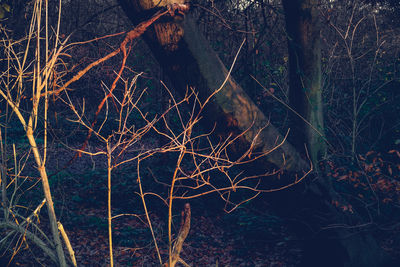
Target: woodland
[(200, 133)]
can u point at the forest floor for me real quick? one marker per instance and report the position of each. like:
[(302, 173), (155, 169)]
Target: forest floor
[(245, 237), (208, 244), (216, 238)]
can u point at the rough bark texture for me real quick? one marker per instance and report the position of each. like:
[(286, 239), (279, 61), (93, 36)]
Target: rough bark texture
[(188, 60), (303, 30)]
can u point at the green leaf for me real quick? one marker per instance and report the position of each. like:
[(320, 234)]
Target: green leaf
[(6, 7)]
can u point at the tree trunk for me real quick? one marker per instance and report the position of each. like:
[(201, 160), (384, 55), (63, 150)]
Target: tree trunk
[(333, 246), (305, 92), (188, 60)]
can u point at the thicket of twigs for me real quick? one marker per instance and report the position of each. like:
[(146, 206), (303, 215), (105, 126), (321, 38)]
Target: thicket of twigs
[(75, 110)]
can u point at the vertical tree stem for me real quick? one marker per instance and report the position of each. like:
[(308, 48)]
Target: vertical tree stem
[(49, 199), (109, 169)]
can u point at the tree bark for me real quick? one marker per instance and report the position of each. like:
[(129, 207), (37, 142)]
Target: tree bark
[(305, 92), (188, 60)]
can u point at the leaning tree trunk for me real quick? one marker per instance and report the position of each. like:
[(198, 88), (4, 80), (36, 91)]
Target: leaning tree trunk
[(188, 60)]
